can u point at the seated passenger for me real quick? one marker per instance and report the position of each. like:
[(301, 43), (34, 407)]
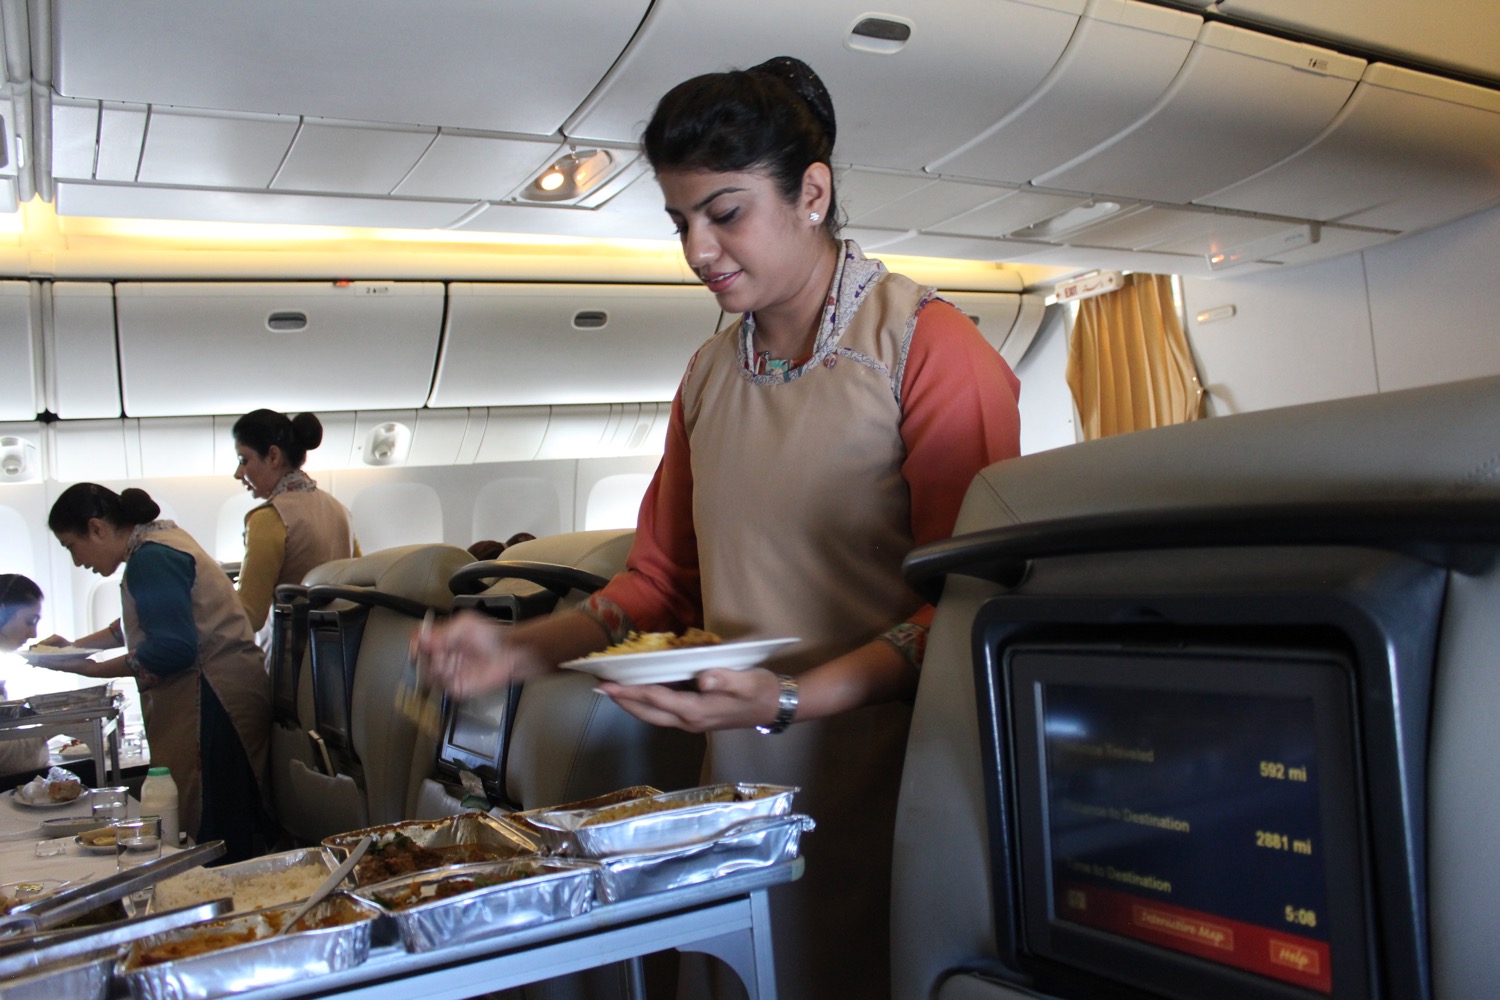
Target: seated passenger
[(205, 695), (20, 610)]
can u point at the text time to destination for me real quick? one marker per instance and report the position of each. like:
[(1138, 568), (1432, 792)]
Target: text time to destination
[(1206, 802), (1291, 958)]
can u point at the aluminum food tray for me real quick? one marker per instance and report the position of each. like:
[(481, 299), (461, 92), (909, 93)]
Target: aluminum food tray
[(505, 840), (266, 961), (756, 843), (12, 710), (550, 889), (554, 841), (71, 701), (666, 821), (81, 979), (175, 892)]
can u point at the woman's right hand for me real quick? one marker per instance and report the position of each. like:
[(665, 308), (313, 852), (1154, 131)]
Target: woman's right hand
[(471, 654)]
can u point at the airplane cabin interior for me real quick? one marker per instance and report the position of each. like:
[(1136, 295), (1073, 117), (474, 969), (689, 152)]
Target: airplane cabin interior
[(1205, 710)]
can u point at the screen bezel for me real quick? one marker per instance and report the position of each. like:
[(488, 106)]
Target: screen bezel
[(1323, 676)]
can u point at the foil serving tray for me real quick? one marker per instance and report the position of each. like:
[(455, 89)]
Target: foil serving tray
[(755, 843), (263, 960), (554, 841), (499, 839), (535, 891), (665, 821), (176, 891)]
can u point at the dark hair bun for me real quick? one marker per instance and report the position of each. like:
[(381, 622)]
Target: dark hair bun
[(799, 76), (137, 507), (307, 429)]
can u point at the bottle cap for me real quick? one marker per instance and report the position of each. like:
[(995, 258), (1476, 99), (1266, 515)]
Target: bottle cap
[(157, 771)]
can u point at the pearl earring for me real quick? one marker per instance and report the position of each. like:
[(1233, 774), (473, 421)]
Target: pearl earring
[(813, 217)]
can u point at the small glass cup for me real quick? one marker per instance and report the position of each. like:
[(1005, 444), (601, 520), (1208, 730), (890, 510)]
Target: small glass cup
[(137, 841), (110, 804)]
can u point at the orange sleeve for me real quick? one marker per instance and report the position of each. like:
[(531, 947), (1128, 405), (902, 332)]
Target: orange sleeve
[(659, 588), (959, 415)]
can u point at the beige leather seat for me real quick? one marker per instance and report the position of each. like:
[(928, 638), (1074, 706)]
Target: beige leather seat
[(366, 609), (1408, 449), (566, 742)]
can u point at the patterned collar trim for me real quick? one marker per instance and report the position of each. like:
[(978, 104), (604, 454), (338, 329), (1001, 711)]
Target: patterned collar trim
[(853, 278), (295, 481), (139, 536)]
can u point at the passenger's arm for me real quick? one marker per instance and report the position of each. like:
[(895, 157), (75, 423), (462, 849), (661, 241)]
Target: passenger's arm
[(265, 552)]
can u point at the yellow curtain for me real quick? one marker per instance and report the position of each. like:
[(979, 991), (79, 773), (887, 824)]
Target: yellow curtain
[(1129, 365)]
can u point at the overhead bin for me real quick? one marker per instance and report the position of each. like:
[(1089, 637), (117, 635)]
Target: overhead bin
[(1242, 101), (901, 101), (21, 347), (231, 347), (1117, 65), (537, 344), (83, 367), (1457, 35), (1410, 150), (446, 63)]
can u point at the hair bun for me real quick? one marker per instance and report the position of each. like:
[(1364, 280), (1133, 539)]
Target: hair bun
[(307, 430), (137, 506), (799, 76)]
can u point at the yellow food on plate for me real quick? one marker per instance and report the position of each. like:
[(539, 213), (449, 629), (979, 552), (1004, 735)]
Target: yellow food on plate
[(101, 837), (654, 642)]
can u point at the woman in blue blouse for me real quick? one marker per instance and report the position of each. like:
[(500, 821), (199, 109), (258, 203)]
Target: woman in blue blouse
[(205, 695)]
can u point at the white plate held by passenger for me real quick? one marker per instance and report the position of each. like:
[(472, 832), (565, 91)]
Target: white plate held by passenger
[(666, 666)]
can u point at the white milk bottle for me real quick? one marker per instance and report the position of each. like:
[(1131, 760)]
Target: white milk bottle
[(159, 798)]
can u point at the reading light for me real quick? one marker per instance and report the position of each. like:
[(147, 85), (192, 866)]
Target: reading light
[(1269, 246), (570, 177)]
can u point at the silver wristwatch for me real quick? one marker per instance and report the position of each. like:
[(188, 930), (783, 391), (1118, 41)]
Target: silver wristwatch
[(786, 706)]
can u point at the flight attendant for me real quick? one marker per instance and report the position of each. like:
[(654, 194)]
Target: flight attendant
[(299, 526), (812, 443), (205, 695)]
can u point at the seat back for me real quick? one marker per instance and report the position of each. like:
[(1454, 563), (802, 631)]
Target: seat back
[(564, 741), (1387, 504), (288, 647), (361, 622)]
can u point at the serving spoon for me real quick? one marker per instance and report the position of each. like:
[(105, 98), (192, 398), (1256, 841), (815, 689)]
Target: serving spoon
[(328, 884)]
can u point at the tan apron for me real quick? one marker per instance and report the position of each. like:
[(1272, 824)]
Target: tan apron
[(820, 458), (228, 660), (318, 530)]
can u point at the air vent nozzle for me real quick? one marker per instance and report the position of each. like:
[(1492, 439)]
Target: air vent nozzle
[(879, 34), (590, 319)]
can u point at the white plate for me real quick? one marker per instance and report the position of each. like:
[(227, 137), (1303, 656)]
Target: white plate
[(666, 666), (21, 800), (41, 654), (68, 826)]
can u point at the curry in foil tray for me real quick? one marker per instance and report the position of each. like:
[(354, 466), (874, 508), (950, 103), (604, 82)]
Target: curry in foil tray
[(399, 855)]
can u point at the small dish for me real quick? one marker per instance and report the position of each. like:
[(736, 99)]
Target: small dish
[(68, 826), (667, 666), (23, 800), (87, 848)]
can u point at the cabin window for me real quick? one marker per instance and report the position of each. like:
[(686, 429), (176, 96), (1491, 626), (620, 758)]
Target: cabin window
[(229, 533), (615, 501), (393, 514), (524, 503)]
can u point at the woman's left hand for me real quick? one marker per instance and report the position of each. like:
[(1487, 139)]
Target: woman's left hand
[(724, 699)]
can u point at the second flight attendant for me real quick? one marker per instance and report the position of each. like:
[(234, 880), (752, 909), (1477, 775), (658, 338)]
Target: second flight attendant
[(299, 526)]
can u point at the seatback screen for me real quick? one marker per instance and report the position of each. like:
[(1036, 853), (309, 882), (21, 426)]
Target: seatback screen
[(1200, 805)]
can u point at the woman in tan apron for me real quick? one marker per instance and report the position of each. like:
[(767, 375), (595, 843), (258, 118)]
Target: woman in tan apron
[(204, 691), (813, 442), (299, 526)]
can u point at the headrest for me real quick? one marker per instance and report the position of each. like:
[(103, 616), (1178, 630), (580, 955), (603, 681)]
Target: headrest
[(417, 572), (1401, 445)]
